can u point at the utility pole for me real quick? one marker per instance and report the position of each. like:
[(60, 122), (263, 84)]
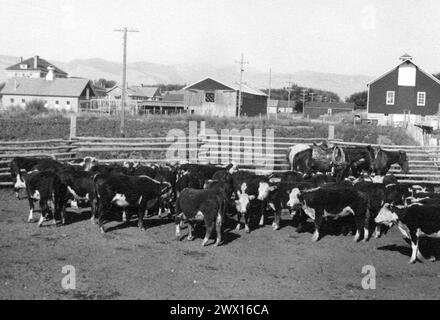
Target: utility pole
[(303, 93), (125, 30), (312, 94), (289, 89), (270, 87), (241, 63)]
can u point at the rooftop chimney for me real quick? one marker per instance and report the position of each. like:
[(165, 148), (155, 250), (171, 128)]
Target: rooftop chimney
[(405, 57), (50, 74), (36, 62)]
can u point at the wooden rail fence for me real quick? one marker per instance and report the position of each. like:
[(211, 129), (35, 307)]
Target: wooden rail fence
[(424, 161)]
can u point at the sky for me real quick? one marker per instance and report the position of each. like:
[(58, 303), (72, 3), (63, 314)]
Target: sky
[(335, 36)]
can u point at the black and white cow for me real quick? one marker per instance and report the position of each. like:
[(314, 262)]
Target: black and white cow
[(248, 189), (300, 158), (128, 192), (333, 203), (207, 205), (19, 166), (79, 187), (281, 197), (414, 222), (44, 187)]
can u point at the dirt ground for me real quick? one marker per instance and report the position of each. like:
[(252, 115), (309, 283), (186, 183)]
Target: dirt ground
[(126, 263)]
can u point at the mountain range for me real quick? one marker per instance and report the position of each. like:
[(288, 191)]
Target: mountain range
[(152, 73)]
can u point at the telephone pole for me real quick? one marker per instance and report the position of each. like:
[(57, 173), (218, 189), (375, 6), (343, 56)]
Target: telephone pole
[(303, 93), (125, 30), (270, 87), (289, 89), (241, 63)]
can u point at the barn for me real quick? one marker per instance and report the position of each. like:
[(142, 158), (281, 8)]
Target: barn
[(314, 110), (217, 98), (404, 93)]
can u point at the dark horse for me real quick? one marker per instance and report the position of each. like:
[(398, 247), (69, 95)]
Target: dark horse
[(384, 160)]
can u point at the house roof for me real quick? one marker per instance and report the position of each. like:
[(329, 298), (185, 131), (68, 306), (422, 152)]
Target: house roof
[(147, 92), (406, 59), (41, 65), (330, 105), (244, 88), (59, 87)]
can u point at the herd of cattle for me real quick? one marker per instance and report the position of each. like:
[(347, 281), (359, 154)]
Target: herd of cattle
[(347, 187)]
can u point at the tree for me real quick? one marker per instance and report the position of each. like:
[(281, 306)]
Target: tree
[(104, 83), (359, 99)]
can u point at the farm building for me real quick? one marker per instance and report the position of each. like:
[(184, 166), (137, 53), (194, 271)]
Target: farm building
[(280, 106), (56, 93), (405, 93), (314, 110), (34, 67), (135, 93), (213, 97)]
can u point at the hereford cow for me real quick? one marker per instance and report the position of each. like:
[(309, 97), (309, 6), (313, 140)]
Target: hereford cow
[(128, 192), (207, 205), (334, 203), (414, 222)]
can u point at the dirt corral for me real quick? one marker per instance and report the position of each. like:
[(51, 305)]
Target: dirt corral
[(126, 263)]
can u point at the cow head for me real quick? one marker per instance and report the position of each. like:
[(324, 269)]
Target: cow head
[(264, 189), (387, 215), (243, 202), (89, 162), (294, 198), (232, 167), (19, 184)]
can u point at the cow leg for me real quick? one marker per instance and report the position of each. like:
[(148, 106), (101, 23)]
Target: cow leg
[(178, 222), (190, 231), (414, 247), (247, 218), (366, 226), (94, 205), (218, 229), (209, 229), (141, 214), (377, 232), (44, 208), (276, 219), (124, 215), (103, 208), (318, 221), (238, 221), (262, 210)]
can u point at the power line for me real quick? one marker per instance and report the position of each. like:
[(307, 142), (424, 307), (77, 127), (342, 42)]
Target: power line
[(125, 30), (241, 63)]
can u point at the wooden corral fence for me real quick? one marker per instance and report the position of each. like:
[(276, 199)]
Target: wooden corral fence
[(424, 161)]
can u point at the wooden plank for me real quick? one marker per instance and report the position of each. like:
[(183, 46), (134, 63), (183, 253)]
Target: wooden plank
[(20, 142), (419, 181), (6, 184), (34, 148), (10, 156)]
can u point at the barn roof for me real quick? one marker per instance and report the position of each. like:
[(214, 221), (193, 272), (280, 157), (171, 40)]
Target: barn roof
[(406, 59), (147, 92), (210, 83), (42, 65), (59, 87)]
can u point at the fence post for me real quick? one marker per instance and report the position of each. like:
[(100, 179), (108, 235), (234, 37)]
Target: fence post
[(331, 132), (72, 126)]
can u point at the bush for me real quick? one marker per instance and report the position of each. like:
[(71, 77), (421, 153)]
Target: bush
[(35, 107)]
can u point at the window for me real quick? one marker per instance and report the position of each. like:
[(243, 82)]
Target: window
[(68, 103), (210, 97), (390, 97), (12, 100), (421, 99), (57, 102), (23, 101)]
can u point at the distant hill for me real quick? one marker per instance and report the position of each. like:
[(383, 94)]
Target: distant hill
[(152, 73)]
